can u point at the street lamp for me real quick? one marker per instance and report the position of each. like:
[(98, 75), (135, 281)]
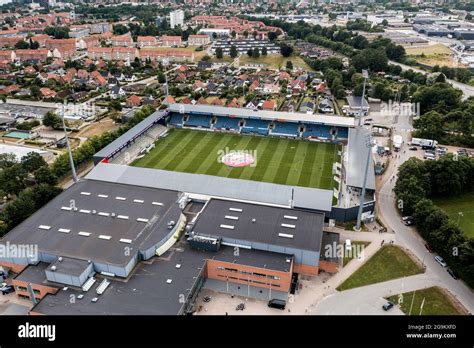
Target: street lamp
[(368, 142)]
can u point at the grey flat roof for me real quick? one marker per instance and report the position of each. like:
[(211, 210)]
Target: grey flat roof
[(35, 274), (356, 102), (357, 159), (263, 114), (146, 291), (330, 239), (131, 134), (43, 227), (70, 266), (215, 186), (261, 224)]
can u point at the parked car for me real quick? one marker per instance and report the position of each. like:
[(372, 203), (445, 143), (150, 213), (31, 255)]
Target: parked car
[(441, 261), (452, 273), (428, 248), (387, 306), (276, 303), (409, 221), (413, 148), (6, 289)]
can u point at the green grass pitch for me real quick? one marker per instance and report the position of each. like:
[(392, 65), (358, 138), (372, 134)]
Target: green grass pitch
[(279, 161), (464, 204)]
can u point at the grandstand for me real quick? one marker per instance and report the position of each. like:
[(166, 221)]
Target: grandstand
[(286, 129), (253, 126), (227, 123), (203, 121)]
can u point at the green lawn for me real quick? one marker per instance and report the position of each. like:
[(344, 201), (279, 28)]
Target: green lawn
[(356, 245), (280, 161), (436, 302), (390, 262), (465, 204)]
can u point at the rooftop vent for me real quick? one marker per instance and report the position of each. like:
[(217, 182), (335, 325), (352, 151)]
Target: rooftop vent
[(80, 297), (284, 235), (105, 237), (123, 217), (102, 196), (169, 281), (85, 193), (138, 201), (84, 234), (254, 220), (65, 288), (157, 203), (120, 198), (288, 226), (64, 230), (94, 212), (142, 220), (44, 227), (60, 259), (227, 227), (290, 217), (230, 217), (124, 240), (236, 210), (66, 208), (94, 300), (53, 268), (178, 265), (101, 213), (84, 211)]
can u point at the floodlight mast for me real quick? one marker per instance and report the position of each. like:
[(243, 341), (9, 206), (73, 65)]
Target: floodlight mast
[(365, 74), (71, 159), (361, 206)]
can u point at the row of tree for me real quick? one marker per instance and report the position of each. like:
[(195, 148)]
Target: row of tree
[(29, 182), (419, 181)]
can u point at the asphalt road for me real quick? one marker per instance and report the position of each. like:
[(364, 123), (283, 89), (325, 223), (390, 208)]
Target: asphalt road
[(468, 91), (408, 236)]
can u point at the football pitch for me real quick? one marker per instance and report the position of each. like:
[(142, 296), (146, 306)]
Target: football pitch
[(275, 160)]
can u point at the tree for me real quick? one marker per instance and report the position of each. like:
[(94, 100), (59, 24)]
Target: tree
[(246, 34), (233, 34), (115, 105), (22, 45), (7, 160), (264, 51), (32, 162), (250, 52), (161, 77), (289, 65), (385, 23), (272, 35), (233, 51), (44, 175), (468, 17), (370, 58), (286, 50), (332, 16), (50, 119), (255, 53), (440, 97), (219, 53), (12, 179)]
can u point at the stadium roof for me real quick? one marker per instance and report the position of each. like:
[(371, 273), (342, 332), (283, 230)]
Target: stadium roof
[(283, 227), (215, 186), (131, 134), (264, 114), (95, 220), (356, 102), (357, 159)]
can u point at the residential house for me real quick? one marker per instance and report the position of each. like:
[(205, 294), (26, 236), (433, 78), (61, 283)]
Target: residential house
[(122, 40), (133, 101), (146, 41), (307, 106), (29, 55), (171, 41), (271, 88), (47, 93), (234, 103), (117, 92), (269, 105), (198, 40)]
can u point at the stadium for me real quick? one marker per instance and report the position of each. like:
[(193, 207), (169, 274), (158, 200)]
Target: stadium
[(234, 200)]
